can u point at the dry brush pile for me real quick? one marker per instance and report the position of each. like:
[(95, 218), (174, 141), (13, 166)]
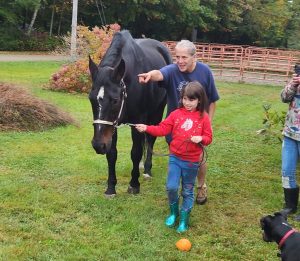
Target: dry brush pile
[(20, 111)]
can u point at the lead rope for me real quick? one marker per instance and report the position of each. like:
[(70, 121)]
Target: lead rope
[(202, 160)]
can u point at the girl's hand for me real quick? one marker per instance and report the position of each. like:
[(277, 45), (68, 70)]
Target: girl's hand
[(196, 139), (141, 127)]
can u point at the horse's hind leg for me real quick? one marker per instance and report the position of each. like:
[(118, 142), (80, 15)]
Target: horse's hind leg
[(136, 156), (150, 140), (111, 157), (154, 119)]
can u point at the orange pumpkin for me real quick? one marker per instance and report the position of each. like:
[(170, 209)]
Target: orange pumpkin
[(184, 244)]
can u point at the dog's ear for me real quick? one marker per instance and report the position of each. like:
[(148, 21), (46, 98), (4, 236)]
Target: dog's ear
[(265, 221), (284, 215), (266, 226), (262, 222), (278, 213)]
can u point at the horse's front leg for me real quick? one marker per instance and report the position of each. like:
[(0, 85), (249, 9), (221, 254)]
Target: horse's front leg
[(136, 156), (111, 157), (148, 161)]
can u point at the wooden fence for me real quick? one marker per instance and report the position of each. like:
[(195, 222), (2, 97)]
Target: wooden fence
[(246, 63)]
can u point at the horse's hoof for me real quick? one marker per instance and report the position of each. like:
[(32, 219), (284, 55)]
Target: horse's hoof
[(147, 176), (132, 190), (110, 193)]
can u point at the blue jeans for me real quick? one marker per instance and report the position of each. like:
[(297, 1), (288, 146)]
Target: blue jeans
[(290, 155), (187, 171)]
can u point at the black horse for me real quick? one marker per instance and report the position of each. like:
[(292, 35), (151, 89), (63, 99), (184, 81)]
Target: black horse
[(117, 97)]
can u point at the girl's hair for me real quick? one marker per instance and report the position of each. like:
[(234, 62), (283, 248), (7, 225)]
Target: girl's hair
[(194, 90)]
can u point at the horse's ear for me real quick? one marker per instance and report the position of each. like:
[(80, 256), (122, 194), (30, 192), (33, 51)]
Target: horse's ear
[(93, 68), (119, 71)]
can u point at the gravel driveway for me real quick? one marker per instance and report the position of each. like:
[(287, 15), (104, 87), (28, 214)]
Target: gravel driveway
[(9, 57)]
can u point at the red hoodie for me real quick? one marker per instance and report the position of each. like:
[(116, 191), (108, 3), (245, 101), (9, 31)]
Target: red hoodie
[(183, 124)]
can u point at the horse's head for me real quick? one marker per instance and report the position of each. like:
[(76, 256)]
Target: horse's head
[(107, 98)]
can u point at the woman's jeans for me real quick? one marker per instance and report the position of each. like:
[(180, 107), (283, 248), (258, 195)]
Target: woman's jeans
[(187, 171), (290, 155)]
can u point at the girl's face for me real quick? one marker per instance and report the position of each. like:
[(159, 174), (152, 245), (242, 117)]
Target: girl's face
[(189, 104)]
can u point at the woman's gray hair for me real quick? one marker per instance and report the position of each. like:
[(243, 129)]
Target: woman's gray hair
[(186, 44)]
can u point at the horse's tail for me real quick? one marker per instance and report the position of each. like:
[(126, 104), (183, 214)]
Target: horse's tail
[(164, 51), (145, 146)]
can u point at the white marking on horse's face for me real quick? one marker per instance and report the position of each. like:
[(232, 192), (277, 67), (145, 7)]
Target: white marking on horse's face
[(100, 96), (100, 93)]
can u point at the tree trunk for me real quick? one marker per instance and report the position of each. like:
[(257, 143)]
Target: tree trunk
[(33, 19), (194, 35), (60, 18), (74, 30), (52, 18)]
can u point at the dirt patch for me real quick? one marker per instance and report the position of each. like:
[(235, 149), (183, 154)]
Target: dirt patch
[(20, 111)]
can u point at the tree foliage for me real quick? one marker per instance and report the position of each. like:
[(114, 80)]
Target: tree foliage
[(252, 22), (265, 24), (293, 27)]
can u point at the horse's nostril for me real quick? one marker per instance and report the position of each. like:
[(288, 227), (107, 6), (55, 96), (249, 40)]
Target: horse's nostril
[(100, 148)]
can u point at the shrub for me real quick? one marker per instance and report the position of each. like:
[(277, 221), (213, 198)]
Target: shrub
[(9, 38), (273, 122), (17, 40), (75, 77)]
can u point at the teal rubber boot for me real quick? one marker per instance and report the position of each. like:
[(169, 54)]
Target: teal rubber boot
[(174, 212), (184, 221)]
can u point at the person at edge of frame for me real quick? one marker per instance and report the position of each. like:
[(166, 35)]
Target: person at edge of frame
[(291, 145)]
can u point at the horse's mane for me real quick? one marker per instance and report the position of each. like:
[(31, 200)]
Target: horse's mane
[(114, 52)]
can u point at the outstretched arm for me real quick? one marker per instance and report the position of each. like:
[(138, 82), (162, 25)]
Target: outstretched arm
[(154, 75), (164, 128)]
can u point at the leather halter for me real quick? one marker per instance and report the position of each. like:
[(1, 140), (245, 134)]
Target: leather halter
[(285, 237), (124, 96)]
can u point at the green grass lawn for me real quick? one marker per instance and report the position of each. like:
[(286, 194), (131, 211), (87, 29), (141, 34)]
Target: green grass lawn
[(52, 205)]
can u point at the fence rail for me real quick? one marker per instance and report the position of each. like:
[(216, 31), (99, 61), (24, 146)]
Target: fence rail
[(246, 63)]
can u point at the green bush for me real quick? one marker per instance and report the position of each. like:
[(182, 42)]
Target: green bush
[(273, 122), (39, 41), (9, 38), (16, 40)]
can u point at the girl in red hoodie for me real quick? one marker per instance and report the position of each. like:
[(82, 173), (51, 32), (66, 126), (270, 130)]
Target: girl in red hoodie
[(190, 128)]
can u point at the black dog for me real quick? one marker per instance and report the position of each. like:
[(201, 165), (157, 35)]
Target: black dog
[(276, 228)]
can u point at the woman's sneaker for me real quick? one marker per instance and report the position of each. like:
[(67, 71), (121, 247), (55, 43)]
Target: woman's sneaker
[(201, 195)]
